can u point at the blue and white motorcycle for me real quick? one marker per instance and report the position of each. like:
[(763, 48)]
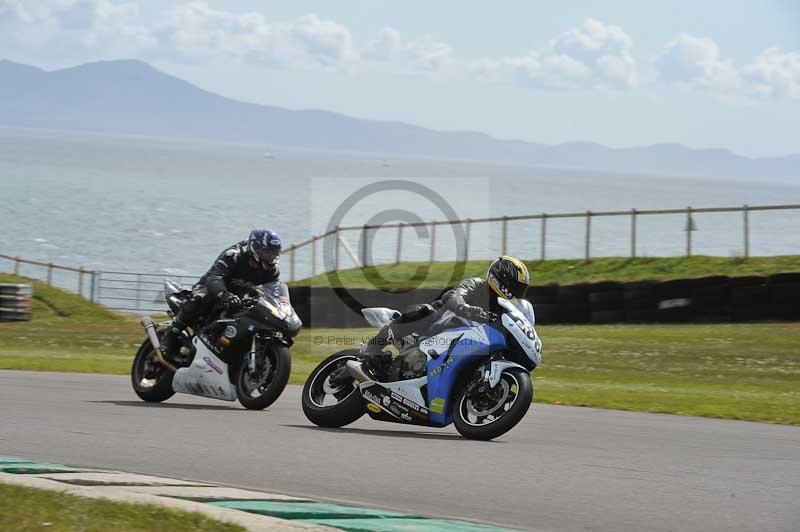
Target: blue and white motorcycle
[(471, 374)]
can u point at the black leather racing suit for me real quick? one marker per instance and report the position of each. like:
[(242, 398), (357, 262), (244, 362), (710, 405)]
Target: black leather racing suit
[(471, 298), (234, 269)]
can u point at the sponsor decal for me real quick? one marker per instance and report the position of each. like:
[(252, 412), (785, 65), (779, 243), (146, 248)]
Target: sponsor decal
[(395, 404), (230, 331), (437, 405), (212, 365), (369, 396), (439, 369)]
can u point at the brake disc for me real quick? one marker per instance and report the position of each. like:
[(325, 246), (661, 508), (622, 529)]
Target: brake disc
[(472, 409)]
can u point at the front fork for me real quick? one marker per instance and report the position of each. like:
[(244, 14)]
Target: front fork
[(251, 356)]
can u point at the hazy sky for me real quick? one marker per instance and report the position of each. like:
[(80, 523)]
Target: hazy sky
[(706, 74)]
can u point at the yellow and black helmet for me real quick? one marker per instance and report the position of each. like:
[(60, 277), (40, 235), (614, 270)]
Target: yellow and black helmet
[(508, 277)]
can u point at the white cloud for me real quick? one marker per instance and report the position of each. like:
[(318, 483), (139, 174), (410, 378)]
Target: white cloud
[(197, 30), (192, 30), (73, 24), (774, 75), (425, 53), (591, 56), (696, 62)]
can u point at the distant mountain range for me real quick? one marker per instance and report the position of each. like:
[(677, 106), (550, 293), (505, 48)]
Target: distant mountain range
[(132, 97)]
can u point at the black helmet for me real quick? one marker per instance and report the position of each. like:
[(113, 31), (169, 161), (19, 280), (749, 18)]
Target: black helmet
[(508, 277)]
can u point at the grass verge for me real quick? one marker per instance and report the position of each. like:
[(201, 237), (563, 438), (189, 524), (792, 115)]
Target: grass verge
[(566, 271), (23, 509), (735, 371)]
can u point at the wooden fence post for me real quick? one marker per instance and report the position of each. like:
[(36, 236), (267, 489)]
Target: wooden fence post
[(398, 252), (688, 231), (433, 241), (364, 234), (746, 216), (505, 235), (50, 273), (93, 288), (588, 243), (633, 233), (313, 256), (16, 266), (467, 232), (543, 242), (291, 263), (81, 271), (336, 248)]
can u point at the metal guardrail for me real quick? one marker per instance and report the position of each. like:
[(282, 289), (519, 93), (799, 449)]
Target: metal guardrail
[(136, 291)]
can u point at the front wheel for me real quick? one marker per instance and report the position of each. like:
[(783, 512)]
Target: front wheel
[(485, 413), (151, 381), (260, 382), (330, 396)]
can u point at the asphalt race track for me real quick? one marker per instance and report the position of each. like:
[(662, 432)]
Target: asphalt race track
[(563, 469)]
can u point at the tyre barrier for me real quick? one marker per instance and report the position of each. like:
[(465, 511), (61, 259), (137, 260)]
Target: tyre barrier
[(16, 302), (334, 308), (713, 299), (639, 301), (606, 302)]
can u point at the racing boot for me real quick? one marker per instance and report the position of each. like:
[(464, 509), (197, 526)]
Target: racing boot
[(377, 361), (170, 343)]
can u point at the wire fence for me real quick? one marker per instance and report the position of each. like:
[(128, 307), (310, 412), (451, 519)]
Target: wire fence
[(143, 292), (360, 254), (127, 291)]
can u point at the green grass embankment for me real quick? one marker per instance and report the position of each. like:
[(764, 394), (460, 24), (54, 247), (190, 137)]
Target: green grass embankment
[(736, 371), (566, 271)]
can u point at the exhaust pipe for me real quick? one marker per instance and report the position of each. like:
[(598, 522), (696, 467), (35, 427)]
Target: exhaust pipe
[(150, 328), (356, 370)]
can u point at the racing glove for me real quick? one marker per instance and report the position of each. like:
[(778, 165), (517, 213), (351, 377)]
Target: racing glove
[(480, 315), (231, 301)]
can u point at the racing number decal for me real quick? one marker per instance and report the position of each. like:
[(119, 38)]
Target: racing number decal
[(525, 328)]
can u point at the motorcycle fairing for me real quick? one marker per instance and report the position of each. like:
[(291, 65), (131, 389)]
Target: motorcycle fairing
[(380, 316), (207, 376), (462, 347), (383, 399)]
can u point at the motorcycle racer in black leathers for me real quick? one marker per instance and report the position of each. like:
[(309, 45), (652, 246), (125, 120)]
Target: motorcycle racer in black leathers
[(238, 269), (474, 299)]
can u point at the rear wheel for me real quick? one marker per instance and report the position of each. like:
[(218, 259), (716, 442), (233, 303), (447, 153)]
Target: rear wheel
[(259, 386), (330, 396), (483, 413), (151, 381)]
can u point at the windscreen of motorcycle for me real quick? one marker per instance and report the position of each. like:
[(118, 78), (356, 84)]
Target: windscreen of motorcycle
[(526, 308), (275, 300)]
